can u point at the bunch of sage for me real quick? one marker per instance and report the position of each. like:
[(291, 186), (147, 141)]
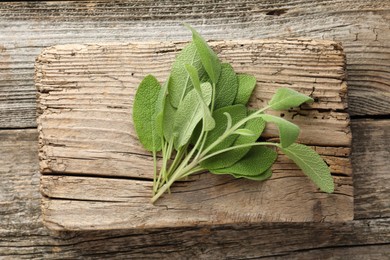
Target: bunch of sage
[(199, 121)]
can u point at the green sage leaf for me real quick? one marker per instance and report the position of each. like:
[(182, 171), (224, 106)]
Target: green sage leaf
[(188, 115), (254, 163), (246, 85), (144, 113), (226, 87), (312, 165), (180, 83), (236, 112), (286, 98), (261, 177), (208, 120), (243, 131), (160, 105), (209, 59), (168, 119), (288, 131), (229, 120), (229, 158)]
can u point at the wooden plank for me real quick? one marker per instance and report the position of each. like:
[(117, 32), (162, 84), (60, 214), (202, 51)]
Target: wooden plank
[(372, 252), (371, 170), (85, 103), (22, 234), (27, 27)]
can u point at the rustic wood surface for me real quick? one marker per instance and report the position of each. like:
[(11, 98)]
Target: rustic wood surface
[(23, 235), (85, 102), (362, 27)]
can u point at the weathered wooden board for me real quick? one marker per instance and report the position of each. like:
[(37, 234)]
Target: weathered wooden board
[(22, 234), (97, 176), (361, 25), (27, 27)]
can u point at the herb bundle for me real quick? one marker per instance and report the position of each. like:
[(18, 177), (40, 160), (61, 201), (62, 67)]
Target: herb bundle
[(199, 121)]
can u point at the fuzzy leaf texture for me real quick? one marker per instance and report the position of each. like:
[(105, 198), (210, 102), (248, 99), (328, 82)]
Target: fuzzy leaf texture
[(254, 163), (209, 59), (288, 131), (236, 112), (262, 177), (145, 114), (169, 115), (286, 98), (180, 82), (312, 165), (229, 158), (160, 106), (203, 103), (226, 88), (246, 85), (243, 131), (188, 115), (208, 120)]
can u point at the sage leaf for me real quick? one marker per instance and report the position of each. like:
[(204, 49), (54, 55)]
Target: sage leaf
[(224, 134), (288, 131), (208, 120), (188, 115), (229, 121), (261, 177), (160, 105), (312, 165), (209, 59), (243, 131), (246, 85), (168, 119), (144, 113), (236, 112), (180, 83), (285, 98), (254, 163), (229, 158), (226, 87)]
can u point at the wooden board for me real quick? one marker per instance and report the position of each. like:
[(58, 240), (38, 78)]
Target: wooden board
[(22, 234), (362, 26), (97, 176)]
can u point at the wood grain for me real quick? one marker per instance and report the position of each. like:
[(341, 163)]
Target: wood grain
[(362, 27), (28, 27), (367, 164), (87, 138), (22, 234)]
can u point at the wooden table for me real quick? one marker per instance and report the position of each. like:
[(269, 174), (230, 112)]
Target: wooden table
[(363, 27)]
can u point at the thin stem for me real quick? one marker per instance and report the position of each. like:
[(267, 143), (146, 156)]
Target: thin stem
[(178, 158), (201, 146), (205, 136), (177, 175), (167, 185), (154, 172), (232, 129), (213, 99), (200, 141), (237, 147), (164, 165), (182, 168), (197, 169), (167, 156), (193, 167)]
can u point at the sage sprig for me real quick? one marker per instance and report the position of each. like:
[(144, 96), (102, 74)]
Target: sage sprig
[(199, 121)]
